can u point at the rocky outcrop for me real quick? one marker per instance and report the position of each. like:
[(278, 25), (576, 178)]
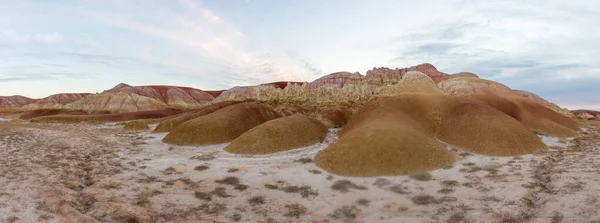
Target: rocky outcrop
[(385, 75), (247, 92), (586, 114), (177, 97), (16, 101), (337, 79)]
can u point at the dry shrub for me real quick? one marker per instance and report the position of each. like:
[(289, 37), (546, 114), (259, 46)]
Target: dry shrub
[(201, 168), (346, 213), (256, 200), (345, 186), (278, 135), (221, 126), (134, 126), (295, 210), (229, 181), (420, 175), (304, 191), (304, 160), (172, 122), (424, 199)]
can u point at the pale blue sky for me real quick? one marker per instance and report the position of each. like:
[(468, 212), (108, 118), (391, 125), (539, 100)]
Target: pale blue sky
[(546, 47)]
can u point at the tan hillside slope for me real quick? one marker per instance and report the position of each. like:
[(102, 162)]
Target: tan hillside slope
[(221, 126), (280, 134)]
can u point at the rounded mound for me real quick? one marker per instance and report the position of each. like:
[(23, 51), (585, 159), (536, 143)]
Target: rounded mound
[(533, 115), (472, 85), (135, 126), (464, 74), (170, 123), (475, 126), (278, 135), (221, 126), (412, 82), (390, 136)]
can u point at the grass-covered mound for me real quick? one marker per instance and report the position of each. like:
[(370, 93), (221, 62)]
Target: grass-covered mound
[(135, 126), (221, 126), (390, 136), (278, 135), (531, 114), (399, 134), (479, 128), (172, 122)]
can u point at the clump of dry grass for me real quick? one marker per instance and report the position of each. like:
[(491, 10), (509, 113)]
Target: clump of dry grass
[(424, 199), (203, 157), (420, 175), (345, 186), (304, 160), (229, 181), (363, 202), (278, 135), (271, 186), (295, 210), (398, 189), (233, 181), (232, 170), (449, 183), (345, 213), (201, 168), (256, 200), (304, 191), (203, 196)]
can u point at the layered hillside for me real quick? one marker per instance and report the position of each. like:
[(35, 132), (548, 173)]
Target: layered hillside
[(586, 114), (13, 102), (117, 103), (55, 101), (176, 97)]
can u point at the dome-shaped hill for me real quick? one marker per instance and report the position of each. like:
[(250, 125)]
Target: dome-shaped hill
[(280, 134), (412, 82), (467, 84), (221, 126), (477, 127), (398, 134), (382, 139), (170, 123)]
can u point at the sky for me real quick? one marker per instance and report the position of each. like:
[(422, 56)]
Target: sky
[(550, 48)]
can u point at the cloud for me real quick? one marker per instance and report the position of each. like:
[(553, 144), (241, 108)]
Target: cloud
[(217, 39), (38, 37)]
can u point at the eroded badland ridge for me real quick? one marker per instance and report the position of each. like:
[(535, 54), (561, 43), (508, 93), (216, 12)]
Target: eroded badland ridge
[(394, 145)]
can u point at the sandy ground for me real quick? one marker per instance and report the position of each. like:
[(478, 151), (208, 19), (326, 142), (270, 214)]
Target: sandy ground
[(85, 173)]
